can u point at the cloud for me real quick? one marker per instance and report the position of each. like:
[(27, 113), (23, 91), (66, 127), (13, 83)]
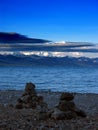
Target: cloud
[(52, 50), (69, 47), (53, 54), (6, 53)]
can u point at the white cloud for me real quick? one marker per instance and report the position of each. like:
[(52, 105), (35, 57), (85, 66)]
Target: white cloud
[(76, 54), (6, 53), (53, 54)]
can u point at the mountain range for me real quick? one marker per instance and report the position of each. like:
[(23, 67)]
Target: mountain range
[(9, 42), (18, 38), (34, 60)]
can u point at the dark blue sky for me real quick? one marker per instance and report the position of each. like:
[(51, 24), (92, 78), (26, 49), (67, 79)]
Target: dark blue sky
[(69, 20)]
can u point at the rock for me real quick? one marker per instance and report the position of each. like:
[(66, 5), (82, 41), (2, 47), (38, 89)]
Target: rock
[(66, 106), (24, 94), (26, 99), (42, 116), (57, 114), (80, 112), (66, 96), (32, 105), (29, 99), (11, 105), (42, 127), (42, 108), (34, 98), (19, 100), (40, 99), (50, 125), (61, 115), (66, 109), (26, 106), (30, 88), (49, 113), (70, 115), (19, 106)]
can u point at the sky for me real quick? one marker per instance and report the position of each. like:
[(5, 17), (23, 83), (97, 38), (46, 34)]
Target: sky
[(56, 20)]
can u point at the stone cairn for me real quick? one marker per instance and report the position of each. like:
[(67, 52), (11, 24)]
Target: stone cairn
[(66, 109), (30, 99)]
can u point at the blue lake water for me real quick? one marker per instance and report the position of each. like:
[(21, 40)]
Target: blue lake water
[(71, 79)]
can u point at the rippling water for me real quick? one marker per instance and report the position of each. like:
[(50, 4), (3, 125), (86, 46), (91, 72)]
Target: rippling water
[(72, 79)]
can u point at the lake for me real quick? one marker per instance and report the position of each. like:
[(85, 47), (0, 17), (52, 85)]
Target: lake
[(71, 79)]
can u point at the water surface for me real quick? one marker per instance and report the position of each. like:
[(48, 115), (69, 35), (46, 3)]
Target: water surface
[(72, 79)]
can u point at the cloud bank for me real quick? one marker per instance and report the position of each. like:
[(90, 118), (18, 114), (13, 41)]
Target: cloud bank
[(52, 49)]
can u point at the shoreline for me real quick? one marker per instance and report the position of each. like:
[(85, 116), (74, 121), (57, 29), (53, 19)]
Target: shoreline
[(49, 90)]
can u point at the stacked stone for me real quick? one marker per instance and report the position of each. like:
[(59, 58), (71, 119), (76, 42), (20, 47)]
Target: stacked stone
[(66, 102), (66, 109), (30, 99)]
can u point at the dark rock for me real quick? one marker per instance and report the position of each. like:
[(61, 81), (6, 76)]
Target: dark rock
[(26, 99), (19, 106), (27, 106), (57, 114), (42, 108), (70, 115), (66, 105), (32, 105), (66, 109), (66, 96), (40, 99), (49, 113), (42, 116), (34, 98), (80, 113), (19, 100), (11, 105), (30, 99), (30, 88), (43, 128), (24, 94)]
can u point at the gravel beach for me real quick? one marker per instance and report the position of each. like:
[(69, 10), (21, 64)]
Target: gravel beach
[(24, 119)]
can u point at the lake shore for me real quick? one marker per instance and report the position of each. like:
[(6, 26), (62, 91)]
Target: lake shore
[(11, 118)]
